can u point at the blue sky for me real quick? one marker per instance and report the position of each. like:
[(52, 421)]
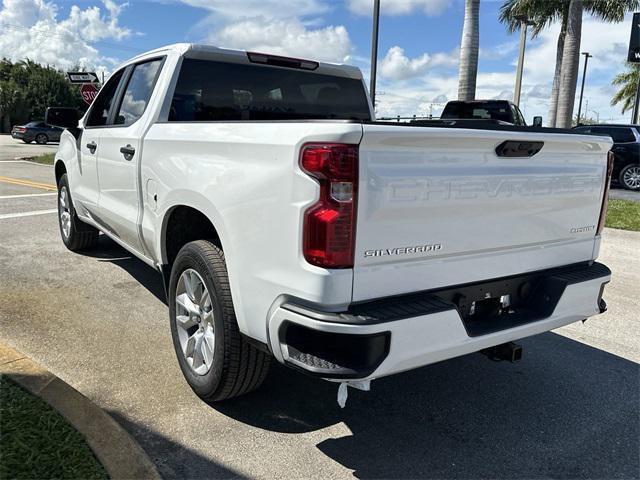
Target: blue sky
[(418, 51)]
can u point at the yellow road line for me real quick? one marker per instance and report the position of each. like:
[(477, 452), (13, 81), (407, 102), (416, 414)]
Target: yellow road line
[(28, 183)]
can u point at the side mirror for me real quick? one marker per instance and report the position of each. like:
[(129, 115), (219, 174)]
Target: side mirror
[(63, 117), (537, 121)]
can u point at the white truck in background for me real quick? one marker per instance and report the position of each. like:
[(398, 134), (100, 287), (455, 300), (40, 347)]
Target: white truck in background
[(287, 223)]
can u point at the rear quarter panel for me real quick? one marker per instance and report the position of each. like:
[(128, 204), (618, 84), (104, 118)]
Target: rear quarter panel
[(244, 176)]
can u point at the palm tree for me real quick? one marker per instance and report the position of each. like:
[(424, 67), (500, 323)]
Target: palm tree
[(541, 13), (469, 51), (628, 82), (570, 64), (544, 12)]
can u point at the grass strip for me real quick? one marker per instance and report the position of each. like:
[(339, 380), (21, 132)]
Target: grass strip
[(37, 442)]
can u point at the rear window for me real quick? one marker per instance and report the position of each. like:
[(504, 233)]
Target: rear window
[(478, 111), (216, 91), (618, 135)]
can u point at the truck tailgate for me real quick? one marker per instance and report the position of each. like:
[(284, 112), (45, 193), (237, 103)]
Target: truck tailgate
[(438, 207)]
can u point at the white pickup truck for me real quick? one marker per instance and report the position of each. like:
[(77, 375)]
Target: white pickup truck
[(288, 223)]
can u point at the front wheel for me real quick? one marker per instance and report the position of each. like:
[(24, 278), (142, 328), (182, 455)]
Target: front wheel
[(629, 177), (215, 359), (76, 235)]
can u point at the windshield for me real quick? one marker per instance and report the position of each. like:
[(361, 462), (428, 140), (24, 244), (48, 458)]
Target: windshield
[(478, 111)]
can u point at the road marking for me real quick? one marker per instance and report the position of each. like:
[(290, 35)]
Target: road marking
[(25, 195), (27, 214), (28, 183)]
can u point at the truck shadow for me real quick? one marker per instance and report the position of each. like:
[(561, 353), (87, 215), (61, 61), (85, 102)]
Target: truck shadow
[(566, 410), (109, 251)]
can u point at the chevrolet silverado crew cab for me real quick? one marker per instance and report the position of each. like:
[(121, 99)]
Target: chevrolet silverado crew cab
[(288, 224)]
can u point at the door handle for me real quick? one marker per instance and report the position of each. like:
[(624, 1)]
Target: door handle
[(127, 152), (92, 146)]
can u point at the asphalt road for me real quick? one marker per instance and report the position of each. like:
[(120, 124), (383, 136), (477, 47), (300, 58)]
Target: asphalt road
[(10, 149), (569, 409)]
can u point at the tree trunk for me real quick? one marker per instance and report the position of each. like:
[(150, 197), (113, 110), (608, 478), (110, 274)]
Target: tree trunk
[(553, 105), (570, 64), (469, 51)]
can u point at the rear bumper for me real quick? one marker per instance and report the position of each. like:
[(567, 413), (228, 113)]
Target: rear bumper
[(384, 337)]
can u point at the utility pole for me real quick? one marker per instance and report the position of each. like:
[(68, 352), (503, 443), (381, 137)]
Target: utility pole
[(524, 23), (636, 105), (374, 51), (587, 56)]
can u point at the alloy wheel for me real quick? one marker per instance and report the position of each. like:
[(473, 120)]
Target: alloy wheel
[(64, 212), (195, 321), (631, 178)]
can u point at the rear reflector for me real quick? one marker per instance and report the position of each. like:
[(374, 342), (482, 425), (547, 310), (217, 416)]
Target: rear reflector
[(329, 224), (605, 198)]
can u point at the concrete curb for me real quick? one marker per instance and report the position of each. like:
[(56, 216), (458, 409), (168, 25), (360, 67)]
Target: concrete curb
[(118, 452)]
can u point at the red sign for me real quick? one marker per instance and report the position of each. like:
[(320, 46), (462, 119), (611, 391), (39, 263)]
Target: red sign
[(88, 92)]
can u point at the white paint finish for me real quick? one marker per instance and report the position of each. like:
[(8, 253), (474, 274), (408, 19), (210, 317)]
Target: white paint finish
[(491, 216), (5, 216), (427, 339), (27, 195), (248, 183)]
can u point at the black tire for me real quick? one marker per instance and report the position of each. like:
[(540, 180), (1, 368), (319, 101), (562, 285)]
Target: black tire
[(81, 236), (42, 139), (237, 366), (631, 172)]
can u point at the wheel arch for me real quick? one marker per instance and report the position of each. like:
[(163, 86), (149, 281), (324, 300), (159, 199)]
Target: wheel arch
[(60, 169), (183, 223)]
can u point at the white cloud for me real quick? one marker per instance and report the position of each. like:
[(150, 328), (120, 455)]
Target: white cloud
[(397, 66), (287, 37), (31, 29), (292, 27), (245, 9), (431, 8)]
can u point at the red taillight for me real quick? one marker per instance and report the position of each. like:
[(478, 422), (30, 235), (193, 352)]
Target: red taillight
[(605, 198), (20, 129), (329, 224)]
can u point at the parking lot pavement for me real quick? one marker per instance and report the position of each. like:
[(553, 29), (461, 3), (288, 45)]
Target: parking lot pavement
[(98, 320), (622, 194), (10, 149)]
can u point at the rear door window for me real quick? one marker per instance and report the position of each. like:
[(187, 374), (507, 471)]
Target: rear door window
[(136, 95), (617, 134), (215, 91)]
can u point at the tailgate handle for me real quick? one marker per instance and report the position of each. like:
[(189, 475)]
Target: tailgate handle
[(517, 148)]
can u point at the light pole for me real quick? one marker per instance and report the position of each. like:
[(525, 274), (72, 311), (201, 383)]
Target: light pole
[(587, 56), (374, 51), (524, 23), (636, 104)]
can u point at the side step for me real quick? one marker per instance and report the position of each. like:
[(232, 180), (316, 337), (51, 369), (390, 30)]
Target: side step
[(509, 351)]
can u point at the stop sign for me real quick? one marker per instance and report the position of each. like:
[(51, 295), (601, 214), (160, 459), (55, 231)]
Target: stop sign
[(88, 92)]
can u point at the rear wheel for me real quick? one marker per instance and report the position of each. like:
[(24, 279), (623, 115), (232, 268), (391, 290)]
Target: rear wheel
[(629, 177), (41, 139), (76, 235), (216, 360)]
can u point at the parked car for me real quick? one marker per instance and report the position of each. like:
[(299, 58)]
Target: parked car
[(626, 148), (498, 110), (287, 223), (39, 132)]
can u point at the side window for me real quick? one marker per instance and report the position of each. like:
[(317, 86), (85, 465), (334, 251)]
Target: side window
[(138, 91), (102, 104), (622, 135)]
